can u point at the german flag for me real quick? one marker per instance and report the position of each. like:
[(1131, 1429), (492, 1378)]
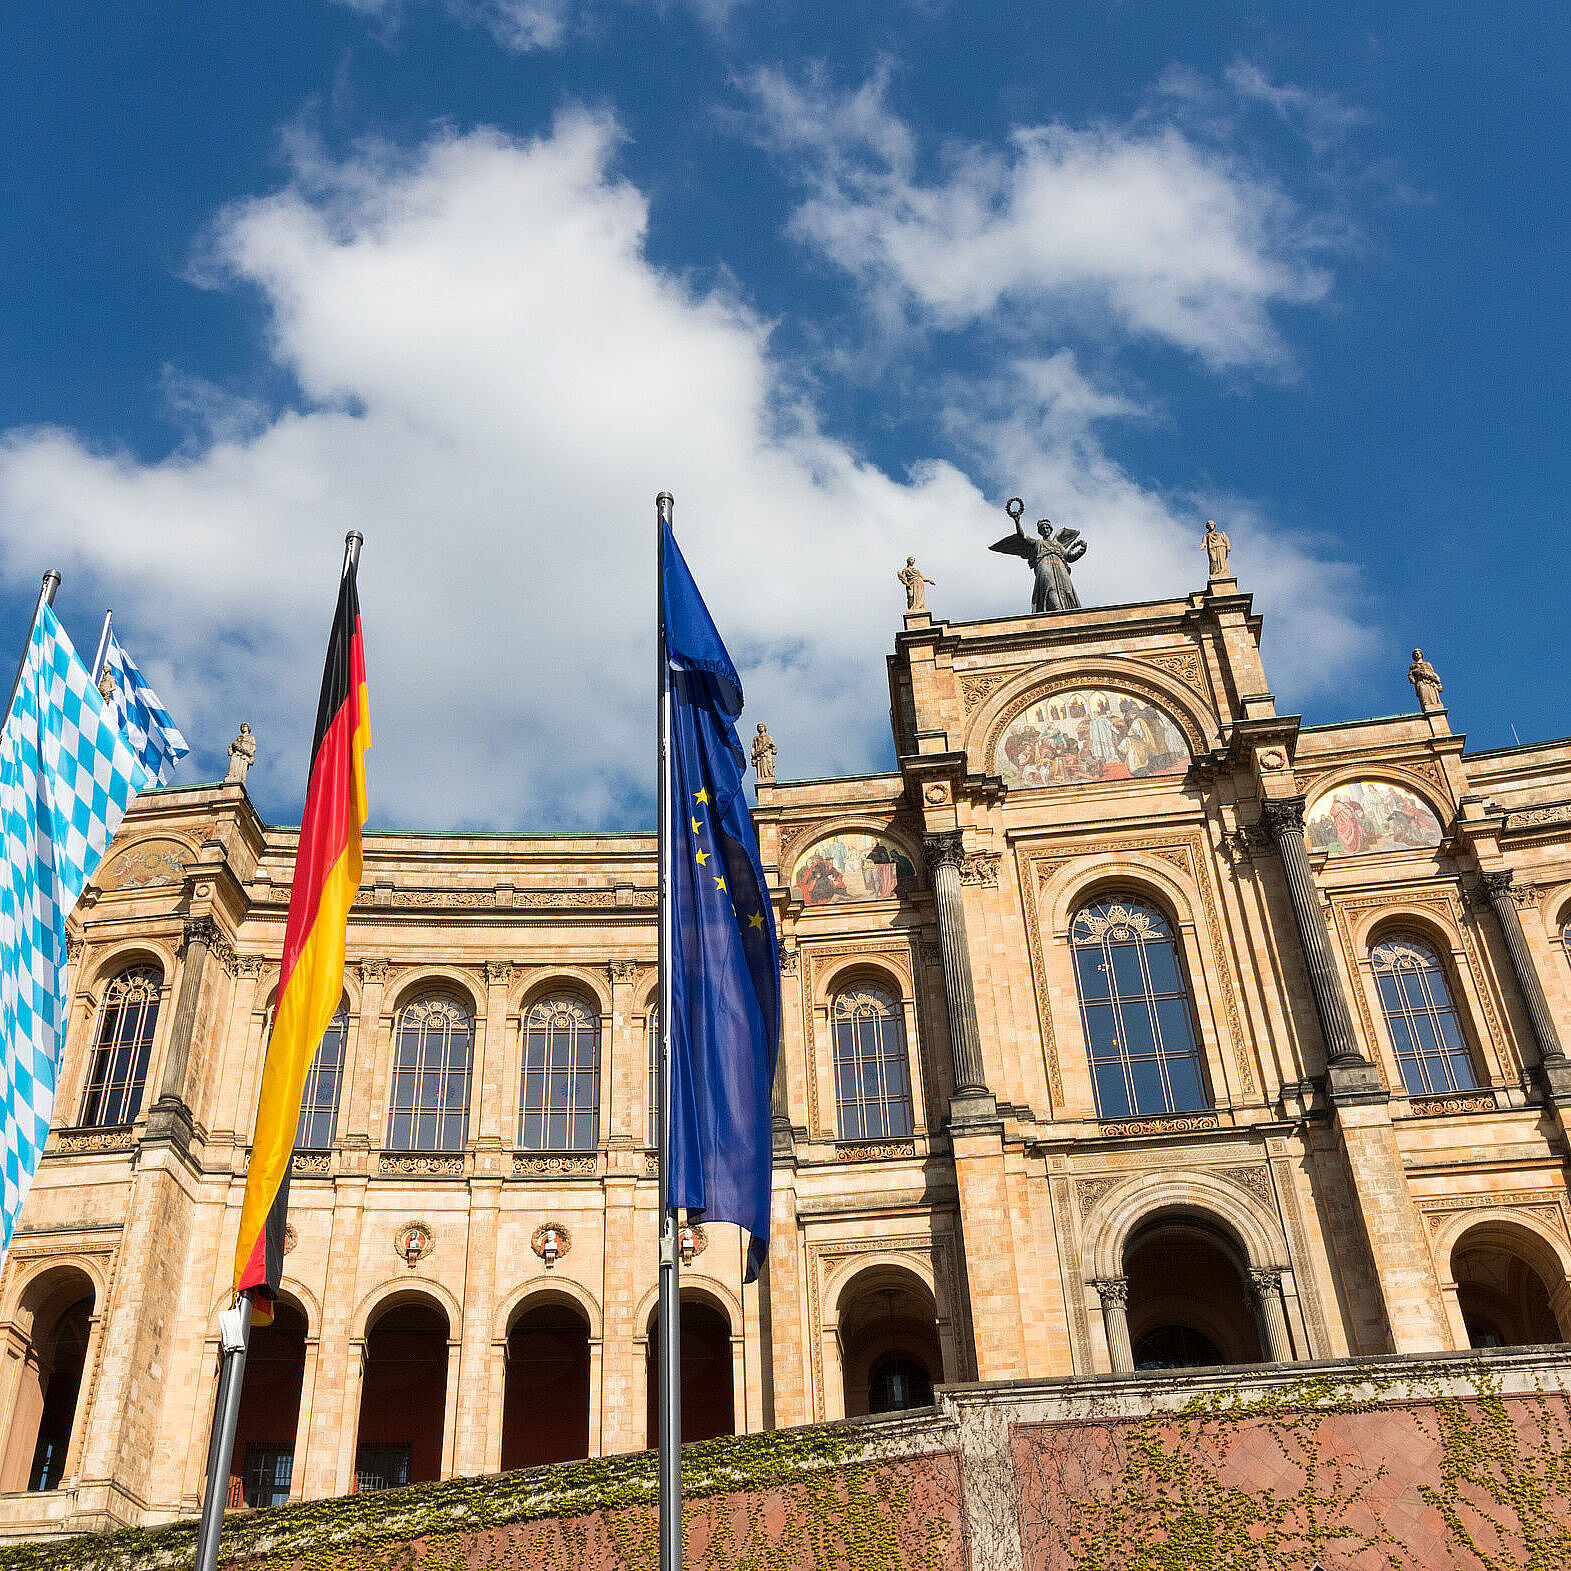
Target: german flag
[(327, 877)]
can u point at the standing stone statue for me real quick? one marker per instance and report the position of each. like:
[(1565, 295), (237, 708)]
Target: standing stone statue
[(1049, 557), (242, 752), (1217, 548), (1426, 682), (764, 756), (916, 586)]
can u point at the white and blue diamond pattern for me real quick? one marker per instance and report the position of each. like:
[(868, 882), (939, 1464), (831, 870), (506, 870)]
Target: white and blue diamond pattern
[(148, 726), (67, 775)]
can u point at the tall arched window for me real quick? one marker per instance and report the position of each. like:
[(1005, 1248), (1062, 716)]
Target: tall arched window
[(323, 1081), (118, 1072), (653, 1057), (1425, 1032), (559, 1096), (1135, 1008), (433, 1057), (1565, 934), (872, 1072)]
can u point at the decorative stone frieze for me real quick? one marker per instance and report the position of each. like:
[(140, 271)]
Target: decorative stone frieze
[(1166, 1124), (531, 1165), (410, 1165)]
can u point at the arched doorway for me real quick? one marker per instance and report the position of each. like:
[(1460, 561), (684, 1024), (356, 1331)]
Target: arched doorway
[(1189, 1301), (55, 1316), (403, 1397), (1505, 1278), (545, 1411), (708, 1390), (890, 1356), (264, 1456)]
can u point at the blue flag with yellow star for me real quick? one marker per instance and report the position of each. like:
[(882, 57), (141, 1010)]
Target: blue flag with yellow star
[(725, 964)]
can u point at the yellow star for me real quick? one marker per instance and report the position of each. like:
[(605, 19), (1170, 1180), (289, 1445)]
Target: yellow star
[(701, 796), (696, 826), (720, 883), (703, 856), (756, 920)]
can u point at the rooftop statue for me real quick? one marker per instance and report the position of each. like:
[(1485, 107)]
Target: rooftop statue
[(242, 752), (764, 755), (915, 584), (1218, 547), (1049, 556), (1426, 682)]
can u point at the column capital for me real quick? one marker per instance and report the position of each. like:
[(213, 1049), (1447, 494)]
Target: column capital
[(1265, 1279), (1498, 883), (372, 970), (1113, 1291), (945, 849), (1283, 815)]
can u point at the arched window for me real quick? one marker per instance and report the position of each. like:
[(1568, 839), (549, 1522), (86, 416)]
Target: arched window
[(1565, 934), (126, 1023), (653, 1057), (559, 1097), (323, 1081), (432, 1061), (1135, 1009), (1425, 1032), (872, 1073)]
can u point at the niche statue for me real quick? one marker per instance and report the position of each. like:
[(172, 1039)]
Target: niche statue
[(1049, 556)]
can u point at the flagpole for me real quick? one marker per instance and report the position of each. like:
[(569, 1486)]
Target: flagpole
[(234, 1333), (670, 1350), (103, 644), (46, 596), (234, 1330)]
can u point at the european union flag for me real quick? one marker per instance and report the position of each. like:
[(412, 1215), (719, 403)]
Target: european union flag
[(725, 964)]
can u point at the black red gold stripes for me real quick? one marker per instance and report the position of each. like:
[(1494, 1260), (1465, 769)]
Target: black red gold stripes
[(310, 985)]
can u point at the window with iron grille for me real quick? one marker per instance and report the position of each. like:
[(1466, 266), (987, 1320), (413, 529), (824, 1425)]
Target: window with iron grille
[(559, 1091), (323, 1082), (872, 1071), (1135, 1009), (1426, 1034), (1565, 936), (127, 1020), (433, 1060), (268, 1470), (381, 1467)]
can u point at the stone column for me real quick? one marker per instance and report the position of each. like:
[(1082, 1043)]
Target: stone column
[(1554, 1067), (474, 1350), (169, 1118), (1266, 1284), (944, 853), (1114, 1293), (1284, 818)]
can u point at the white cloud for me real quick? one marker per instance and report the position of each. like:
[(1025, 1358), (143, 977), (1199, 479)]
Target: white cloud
[(525, 25), (1134, 227), (495, 380)]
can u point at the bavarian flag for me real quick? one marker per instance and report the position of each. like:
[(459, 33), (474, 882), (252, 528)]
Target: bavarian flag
[(311, 982)]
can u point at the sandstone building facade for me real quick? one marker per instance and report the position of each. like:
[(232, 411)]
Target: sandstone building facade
[(1127, 1024)]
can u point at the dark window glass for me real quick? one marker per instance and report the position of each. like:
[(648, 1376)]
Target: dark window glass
[(559, 1091), (1176, 1347), (118, 1072), (872, 1077), (268, 1470), (897, 1383), (433, 1062), (1139, 1028), (381, 1467), (323, 1081), (1425, 1032)]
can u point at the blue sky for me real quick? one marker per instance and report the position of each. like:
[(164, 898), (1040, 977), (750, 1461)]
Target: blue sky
[(480, 276)]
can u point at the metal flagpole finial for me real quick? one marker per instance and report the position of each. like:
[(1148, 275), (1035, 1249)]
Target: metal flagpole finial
[(352, 543), (46, 595), (663, 505)]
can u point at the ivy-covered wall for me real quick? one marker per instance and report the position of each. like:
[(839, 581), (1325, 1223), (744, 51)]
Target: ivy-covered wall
[(1392, 1465)]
